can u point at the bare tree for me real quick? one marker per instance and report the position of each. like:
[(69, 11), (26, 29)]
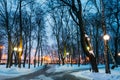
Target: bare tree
[(56, 27), (112, 18), (76, 13), (40, 34), (5, 16)]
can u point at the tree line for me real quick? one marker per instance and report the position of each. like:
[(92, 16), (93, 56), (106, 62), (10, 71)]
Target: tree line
[(22, 25), (78, 27)]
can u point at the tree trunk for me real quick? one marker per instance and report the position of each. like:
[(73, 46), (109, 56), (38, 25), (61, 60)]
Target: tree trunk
[(117, 33), (8, 34), (39, 57), (116, 49), (11, 62), (76, 12), (58, 49), (25, 54), (71, 59), (84, 44), (107, 67), (0, 53), (21, 41), (16, 58), (9, 52), (42, 56), (96, 51), (63, 60), (78, 46), (30, 29), (35, 56)]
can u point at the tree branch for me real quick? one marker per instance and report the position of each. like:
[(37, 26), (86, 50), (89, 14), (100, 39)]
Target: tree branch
[(73, 17)]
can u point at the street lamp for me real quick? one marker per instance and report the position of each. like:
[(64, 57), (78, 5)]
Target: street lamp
[(15, 49), (88, 48), (19, 49), (119, 54), (67, 53), (106, 37), (67, 56)]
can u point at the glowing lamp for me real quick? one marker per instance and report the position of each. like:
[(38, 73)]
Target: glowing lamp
[(119, 54), (19, 49), (88, 48), (106, 37), (15, 48), (67, 53)]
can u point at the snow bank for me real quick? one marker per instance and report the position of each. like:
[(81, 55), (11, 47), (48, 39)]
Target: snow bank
[(15, 71), (68, 67), (115, 75)]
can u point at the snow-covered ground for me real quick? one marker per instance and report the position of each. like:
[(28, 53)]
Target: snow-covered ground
[(13, 72), (67, 67), (115, 74), (42, 77), (87, 74)]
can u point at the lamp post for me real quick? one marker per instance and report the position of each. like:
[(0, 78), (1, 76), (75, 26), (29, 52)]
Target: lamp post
[(67, 56), (19, 56), (107, 67), (15, 49), (119, 54), (106, 37), (67, 53), (18, 51)]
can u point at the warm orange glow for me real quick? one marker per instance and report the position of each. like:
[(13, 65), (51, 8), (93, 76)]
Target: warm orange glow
[(47, 59), (2, 47), (19, 49), (87, 58), (4, 56)]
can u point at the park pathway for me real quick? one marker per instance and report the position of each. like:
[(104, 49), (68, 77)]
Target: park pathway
[(65, 75), (31, 75)]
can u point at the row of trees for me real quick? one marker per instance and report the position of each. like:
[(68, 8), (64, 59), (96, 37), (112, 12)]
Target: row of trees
[(78, 28), (22, 23), (72, 21)]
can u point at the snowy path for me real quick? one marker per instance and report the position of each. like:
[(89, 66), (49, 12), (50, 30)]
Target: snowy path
[(4, 77), (66, 75), (31, 75), (56, 72), (44, 75)]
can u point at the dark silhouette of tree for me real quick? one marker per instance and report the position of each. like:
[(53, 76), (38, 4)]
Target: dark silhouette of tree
[(76, 13)]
